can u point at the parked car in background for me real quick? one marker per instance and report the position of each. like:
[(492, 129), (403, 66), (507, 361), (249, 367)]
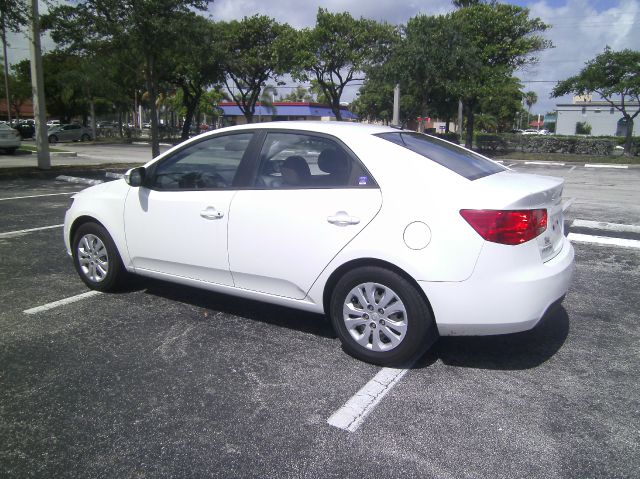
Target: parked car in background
[(9, 139), (532, 131), (397, 236), (72, 132), (51, 123), (26, 128)]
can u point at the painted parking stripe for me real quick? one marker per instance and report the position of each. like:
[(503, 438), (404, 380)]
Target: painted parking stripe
[(544, 163), (11, 234), (75, 179), (62, 302), (350, 416), (600, 225), (37, 196), (621, 167), (603, 240)]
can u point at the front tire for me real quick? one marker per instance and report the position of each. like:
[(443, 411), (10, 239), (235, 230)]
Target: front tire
[(380, 317), (85, 137), (96, 258), (53, 139)]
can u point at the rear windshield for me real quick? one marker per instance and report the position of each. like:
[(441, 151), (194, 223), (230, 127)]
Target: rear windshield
[(464, 162)]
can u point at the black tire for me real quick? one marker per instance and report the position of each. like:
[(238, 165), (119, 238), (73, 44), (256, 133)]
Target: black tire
[(420, 330), (85, 137), (53, 139), (91, 267), (11, 151)]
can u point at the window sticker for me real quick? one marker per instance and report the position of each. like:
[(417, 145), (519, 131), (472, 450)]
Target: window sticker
[(363, 180)]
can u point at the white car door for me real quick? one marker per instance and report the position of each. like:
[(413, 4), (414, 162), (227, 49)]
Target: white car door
[(177, 224), (310, 199)]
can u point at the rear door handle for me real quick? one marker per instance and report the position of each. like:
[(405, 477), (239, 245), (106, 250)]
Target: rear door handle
[(210, 213), (341, 218)]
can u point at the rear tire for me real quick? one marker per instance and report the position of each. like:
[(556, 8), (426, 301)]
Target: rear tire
[(53, 139), (380, 317), (96, 258), (85, 137)]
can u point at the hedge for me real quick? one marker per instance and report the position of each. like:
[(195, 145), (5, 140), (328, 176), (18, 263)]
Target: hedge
[(507, 142)]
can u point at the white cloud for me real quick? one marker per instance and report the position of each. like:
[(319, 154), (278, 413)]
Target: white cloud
[(579, 32)]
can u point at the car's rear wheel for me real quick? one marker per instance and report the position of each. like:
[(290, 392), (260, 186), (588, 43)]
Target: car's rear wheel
[(381, 317), (85, 137), (11, 151), (96, 258), (53, 139)]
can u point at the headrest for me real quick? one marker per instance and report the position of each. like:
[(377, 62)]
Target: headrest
[(297, 164), (332, 161)]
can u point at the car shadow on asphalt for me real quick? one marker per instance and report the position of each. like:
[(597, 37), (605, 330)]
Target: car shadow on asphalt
[(280, 316), (524, 350)]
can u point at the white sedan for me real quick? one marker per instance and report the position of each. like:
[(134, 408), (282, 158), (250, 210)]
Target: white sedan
[(399, 237), (9, 139)]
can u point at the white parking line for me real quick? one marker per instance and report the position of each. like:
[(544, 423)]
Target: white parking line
[(355, 410), (74, 179), (11, 234), (605, 226), (572, 168), (591, 165), (37, 196), (603, 240), (62, 302), (551, 163)]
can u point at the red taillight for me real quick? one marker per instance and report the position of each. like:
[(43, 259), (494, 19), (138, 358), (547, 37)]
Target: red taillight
[(507, 226)]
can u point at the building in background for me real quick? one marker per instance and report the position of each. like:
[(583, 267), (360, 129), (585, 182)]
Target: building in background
[(597, 116), (284, 111)]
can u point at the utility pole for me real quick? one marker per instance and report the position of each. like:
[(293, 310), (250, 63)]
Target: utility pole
[(396, 105), (37, 87), (6, 70)]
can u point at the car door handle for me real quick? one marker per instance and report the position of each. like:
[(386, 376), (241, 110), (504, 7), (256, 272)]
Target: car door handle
[(210, 213), (341, 218)]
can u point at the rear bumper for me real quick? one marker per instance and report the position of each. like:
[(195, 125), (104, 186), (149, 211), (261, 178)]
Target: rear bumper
[(501, 299)]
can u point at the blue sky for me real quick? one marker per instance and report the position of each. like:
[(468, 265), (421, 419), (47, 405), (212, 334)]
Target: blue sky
[(580, 30)]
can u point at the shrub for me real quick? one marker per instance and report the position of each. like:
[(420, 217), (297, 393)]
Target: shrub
[(508, 142), (449, 136), (583, 128)]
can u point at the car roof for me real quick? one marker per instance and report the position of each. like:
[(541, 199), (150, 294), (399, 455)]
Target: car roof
[(329, 127)]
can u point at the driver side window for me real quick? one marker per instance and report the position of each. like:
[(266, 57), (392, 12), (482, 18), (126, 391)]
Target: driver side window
[(208, 164)]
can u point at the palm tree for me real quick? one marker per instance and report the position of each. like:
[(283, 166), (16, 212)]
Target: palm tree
[(266, 98), (530, 98)]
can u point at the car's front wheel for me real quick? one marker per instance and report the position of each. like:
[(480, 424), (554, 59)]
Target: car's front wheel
[(53, 139), (381, 317), (85, 137), (96, 258)]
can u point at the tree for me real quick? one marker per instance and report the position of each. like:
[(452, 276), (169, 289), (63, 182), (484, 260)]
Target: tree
[(256, 54), (497, 40), (530, 98), (299, 94), (200, 64), (149, 29), (337, 51), (613, 76), (13, 15)]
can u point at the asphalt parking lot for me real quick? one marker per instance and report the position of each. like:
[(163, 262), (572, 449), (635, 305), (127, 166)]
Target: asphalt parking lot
[(168, 381)]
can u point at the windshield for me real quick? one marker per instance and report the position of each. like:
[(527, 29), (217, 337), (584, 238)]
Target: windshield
[(457, 159)]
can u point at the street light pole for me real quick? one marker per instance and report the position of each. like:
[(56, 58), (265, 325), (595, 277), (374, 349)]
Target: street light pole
[(37, 87), (6, 71)]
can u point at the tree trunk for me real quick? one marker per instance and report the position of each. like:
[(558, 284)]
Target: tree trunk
[(628, 141), (153, 95), (335, 107), (190, 102), (468, 142)]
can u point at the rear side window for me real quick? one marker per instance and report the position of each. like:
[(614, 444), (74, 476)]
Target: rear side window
[(463, 162)]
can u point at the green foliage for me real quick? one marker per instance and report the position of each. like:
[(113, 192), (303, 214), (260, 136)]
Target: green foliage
[(19, 88), (299, 94), (257, 51), (493, 143), (338, 50), (13, 14), (583, 128), (612, 75)]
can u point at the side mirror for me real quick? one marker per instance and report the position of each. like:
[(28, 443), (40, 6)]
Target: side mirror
[(135, 176)]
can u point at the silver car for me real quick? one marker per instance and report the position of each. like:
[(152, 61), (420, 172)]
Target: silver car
[(71, 132)]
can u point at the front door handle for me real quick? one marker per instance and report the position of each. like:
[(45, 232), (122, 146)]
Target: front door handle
[(341, 218), (210, 213)]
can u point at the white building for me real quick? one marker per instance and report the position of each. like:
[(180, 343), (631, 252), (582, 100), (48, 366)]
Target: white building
[(603, 119)]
